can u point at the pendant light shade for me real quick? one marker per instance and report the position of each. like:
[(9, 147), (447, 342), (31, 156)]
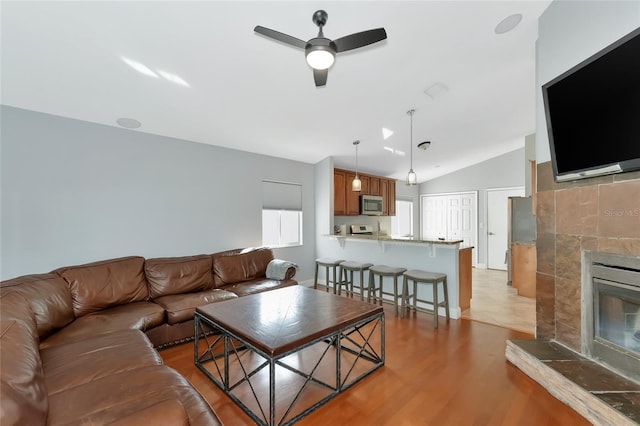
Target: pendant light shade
[(356, 185), (412, 178)]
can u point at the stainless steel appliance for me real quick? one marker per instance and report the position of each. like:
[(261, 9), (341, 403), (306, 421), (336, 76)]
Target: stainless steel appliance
[(362, 229), (371, 205), (522, 227)]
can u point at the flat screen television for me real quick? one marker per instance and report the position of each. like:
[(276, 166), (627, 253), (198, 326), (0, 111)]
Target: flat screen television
[(593, 113)]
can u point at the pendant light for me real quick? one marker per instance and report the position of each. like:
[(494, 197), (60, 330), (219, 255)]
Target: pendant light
[(356, 185), (412, 178)]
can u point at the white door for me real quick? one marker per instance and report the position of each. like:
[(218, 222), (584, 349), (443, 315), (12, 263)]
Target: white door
[(498, 225), (450, 216), (434, 217)]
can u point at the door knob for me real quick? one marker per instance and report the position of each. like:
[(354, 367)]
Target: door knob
[(491, 233)]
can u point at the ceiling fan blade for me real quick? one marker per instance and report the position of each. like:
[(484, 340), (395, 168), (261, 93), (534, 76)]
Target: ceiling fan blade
[(361, 39), (320, 76), (280, 37)]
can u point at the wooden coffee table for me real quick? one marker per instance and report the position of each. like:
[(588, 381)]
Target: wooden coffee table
[(283, 353)]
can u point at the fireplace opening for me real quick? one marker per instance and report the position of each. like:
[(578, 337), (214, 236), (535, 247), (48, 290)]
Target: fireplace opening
[(611, 312)]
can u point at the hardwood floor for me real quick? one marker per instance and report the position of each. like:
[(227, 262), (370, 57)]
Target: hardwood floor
[(493, 302), (455, 375)]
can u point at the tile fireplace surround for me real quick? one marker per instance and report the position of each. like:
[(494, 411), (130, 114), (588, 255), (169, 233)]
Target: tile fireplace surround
[(599, 214)]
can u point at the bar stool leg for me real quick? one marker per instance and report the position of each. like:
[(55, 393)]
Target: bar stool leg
[(415, 294), (361, 286), (350, 282), (446, 297), (395, 293), (315, 277), (435, 305), (403, 303), (370, 287)]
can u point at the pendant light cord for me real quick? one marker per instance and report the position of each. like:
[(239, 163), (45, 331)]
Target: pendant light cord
[(411, 140)]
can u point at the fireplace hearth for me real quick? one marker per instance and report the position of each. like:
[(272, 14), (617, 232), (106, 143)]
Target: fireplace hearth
[(611, 311)]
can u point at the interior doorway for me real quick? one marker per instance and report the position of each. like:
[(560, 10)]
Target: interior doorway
[(452, 216), (498, 225)]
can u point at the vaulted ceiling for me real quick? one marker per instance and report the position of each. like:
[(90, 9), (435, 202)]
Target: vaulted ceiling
[(244, 91)]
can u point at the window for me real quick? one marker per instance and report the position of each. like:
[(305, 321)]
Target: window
[(281, 214), (402, 222)]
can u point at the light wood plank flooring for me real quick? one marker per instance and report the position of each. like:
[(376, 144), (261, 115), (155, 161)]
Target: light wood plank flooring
[(493, 302), (455, 375)]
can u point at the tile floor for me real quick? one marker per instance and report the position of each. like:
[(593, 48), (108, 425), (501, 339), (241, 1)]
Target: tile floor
[(493, 302)]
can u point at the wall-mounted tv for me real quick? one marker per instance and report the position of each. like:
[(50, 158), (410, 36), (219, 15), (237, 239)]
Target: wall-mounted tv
[(593, 113)]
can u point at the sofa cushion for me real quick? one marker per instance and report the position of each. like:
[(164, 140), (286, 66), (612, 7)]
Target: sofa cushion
[(111, 398), (73, 364), (177, 275), (22, 386), (243, 266), (258, 286), (49, 299), (182, 307), (99, 285), (135, 316), (167, 412)]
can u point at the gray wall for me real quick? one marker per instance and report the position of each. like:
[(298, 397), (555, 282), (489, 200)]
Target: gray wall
[(410, 193), (75, 192), (568, 33), (500, 172)]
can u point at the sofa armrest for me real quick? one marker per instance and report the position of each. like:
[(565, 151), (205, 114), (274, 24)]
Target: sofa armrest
[(279, 269)]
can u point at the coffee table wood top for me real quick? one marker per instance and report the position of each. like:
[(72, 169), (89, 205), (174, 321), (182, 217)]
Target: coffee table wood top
[(281, 320)]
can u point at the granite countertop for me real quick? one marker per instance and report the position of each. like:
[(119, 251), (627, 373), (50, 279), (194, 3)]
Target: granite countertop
[(390, 238)]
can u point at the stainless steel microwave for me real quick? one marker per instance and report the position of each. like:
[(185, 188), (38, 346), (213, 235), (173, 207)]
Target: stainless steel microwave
[(371, 205)]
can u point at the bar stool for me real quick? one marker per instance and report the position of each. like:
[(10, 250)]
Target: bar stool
[(425, 277), (346, 276), (327, 263), (383, 271)]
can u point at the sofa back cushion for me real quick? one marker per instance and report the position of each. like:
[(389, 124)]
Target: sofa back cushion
[(177, 275), (244, 266), (22, 386), (99, 285), (49, 298)]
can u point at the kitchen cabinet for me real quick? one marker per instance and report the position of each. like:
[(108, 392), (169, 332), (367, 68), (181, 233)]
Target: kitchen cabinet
[(374, 186), (347, 202), (391, 199), (339, 195), (523, 269), (353, 197), (384, 191)]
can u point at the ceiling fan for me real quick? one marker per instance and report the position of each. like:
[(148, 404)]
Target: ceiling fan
[(320, 52)]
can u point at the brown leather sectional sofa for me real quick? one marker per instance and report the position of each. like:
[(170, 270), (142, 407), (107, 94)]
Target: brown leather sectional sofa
[(78, 345)]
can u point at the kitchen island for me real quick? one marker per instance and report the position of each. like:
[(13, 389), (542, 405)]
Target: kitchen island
[(449, 257)]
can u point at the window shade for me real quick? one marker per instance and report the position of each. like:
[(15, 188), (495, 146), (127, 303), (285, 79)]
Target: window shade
[(281, 195)]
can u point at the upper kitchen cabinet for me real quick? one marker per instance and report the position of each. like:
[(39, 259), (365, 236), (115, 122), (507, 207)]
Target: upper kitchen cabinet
[(339, 194), (374, 186), (391, 199), (347, 202), (353, 200)]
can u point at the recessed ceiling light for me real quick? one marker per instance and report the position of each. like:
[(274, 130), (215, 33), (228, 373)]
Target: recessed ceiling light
[(435, 90), (389, 149), (386, 133), (128, 123), (424, 145), (141, 68), (173, 78), (508, 23)]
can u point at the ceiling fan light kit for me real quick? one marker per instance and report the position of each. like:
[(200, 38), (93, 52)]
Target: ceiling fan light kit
[(320, 51), (320, 58)]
